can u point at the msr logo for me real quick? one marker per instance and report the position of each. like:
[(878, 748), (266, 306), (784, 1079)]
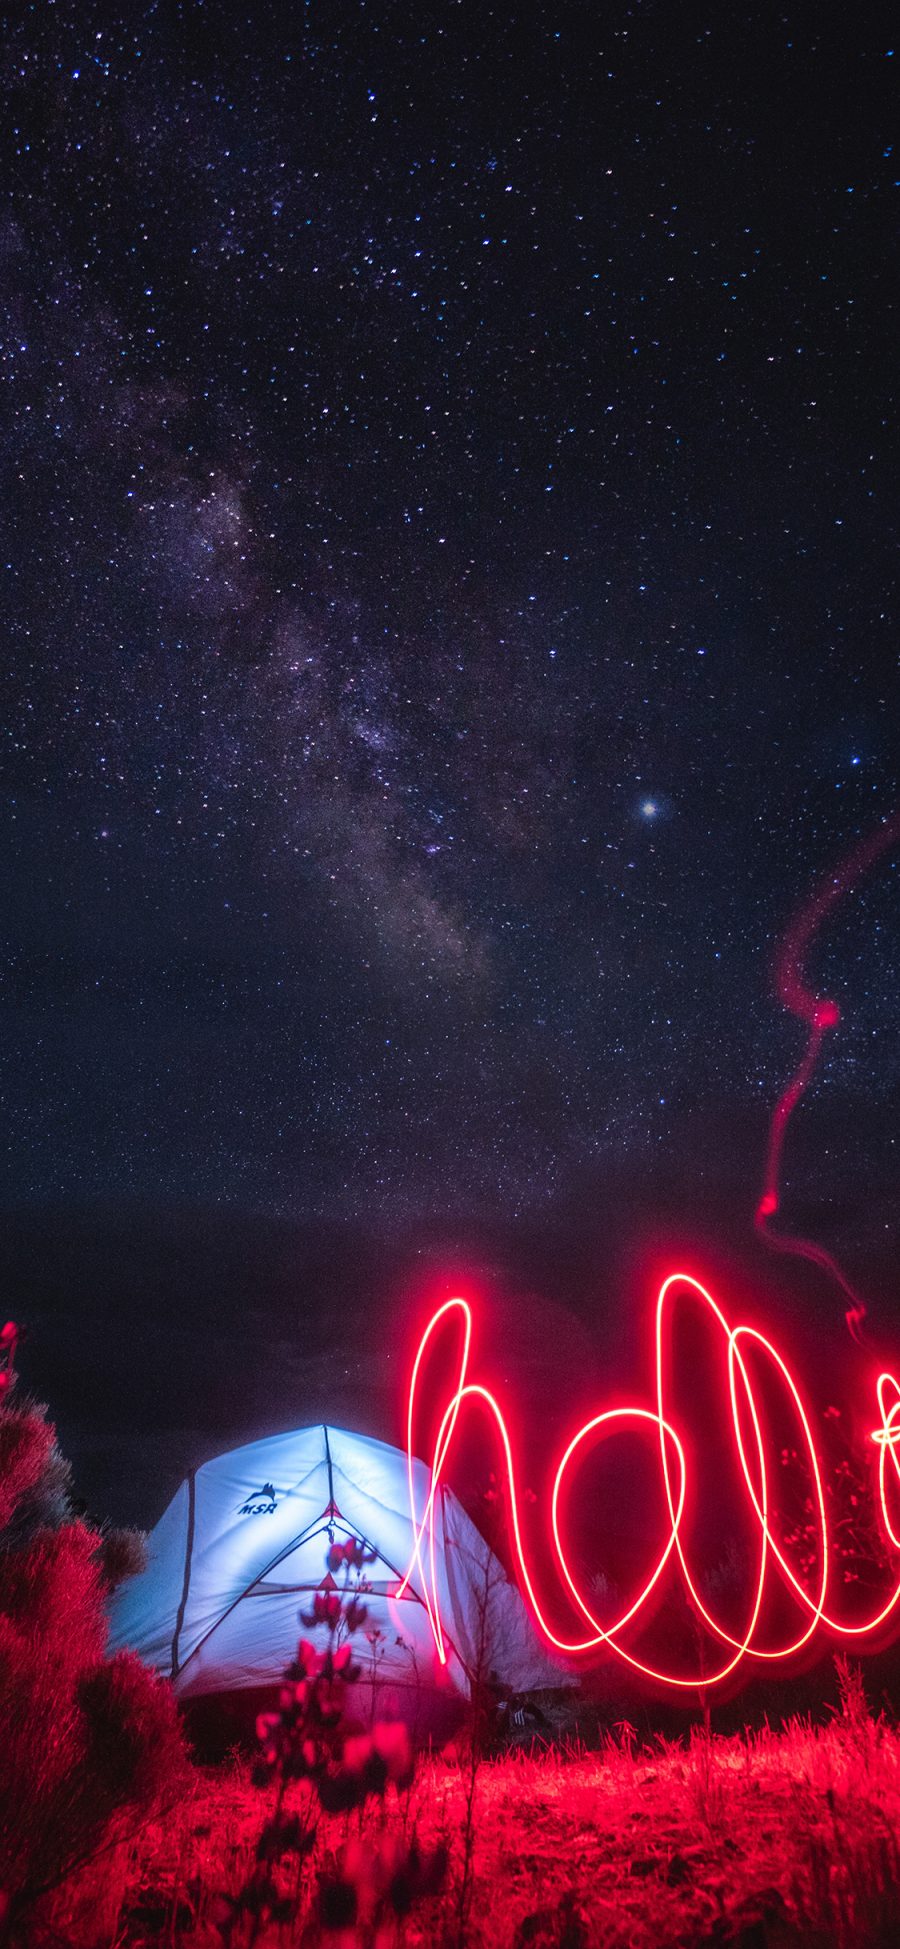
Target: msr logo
[(261, 1503)]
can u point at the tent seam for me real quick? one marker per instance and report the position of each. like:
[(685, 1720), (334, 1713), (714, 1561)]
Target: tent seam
[(188, 1555)]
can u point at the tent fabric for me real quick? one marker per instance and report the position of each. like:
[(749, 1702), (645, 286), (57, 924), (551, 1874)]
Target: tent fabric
[(242, 1548)]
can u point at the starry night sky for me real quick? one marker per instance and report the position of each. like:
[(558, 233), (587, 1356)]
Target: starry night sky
[(448, 556)]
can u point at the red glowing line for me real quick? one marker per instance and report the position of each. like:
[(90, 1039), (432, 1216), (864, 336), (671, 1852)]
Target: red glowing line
[(745, 1419), (819, 1014)]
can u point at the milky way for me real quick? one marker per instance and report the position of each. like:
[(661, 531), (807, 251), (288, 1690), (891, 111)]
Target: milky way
[(448, 560)]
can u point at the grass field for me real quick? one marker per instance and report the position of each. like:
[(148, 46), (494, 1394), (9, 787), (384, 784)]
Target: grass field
[(763, 1841)]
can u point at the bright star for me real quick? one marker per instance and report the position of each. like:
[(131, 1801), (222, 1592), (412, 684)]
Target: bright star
[(649, 809)]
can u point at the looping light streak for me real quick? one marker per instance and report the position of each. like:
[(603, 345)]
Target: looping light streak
[(820, 1015), (747, 1432)]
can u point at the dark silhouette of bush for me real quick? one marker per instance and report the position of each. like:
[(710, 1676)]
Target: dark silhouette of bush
[(89, 1745)]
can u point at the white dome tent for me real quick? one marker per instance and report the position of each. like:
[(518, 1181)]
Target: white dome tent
[(242, 1548)]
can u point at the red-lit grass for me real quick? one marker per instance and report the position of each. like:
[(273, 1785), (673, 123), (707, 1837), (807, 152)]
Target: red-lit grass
[(769, 1840)]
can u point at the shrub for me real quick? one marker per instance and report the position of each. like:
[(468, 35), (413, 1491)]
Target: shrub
[(87, 1743)]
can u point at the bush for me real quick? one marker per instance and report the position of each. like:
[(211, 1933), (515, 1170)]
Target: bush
[(88, 1744)]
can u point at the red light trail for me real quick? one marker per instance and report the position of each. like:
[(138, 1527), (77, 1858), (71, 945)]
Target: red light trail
[(819, 1015), (744, 1422), (741, 1415)]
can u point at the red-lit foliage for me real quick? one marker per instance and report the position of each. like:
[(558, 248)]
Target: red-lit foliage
[(85, 1740), (750, 1355), (763, 1840), (322, 1763)]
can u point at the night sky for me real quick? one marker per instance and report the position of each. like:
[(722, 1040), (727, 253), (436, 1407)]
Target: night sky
[(448, 566)]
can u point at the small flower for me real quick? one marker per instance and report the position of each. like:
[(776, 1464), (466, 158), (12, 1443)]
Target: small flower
[(352, 1553), (326, 1609), (391, 1741), (329, 1700), (357, 1752), (307, 1662)]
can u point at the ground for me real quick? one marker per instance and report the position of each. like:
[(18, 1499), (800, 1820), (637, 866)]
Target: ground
[(768, 1841)]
